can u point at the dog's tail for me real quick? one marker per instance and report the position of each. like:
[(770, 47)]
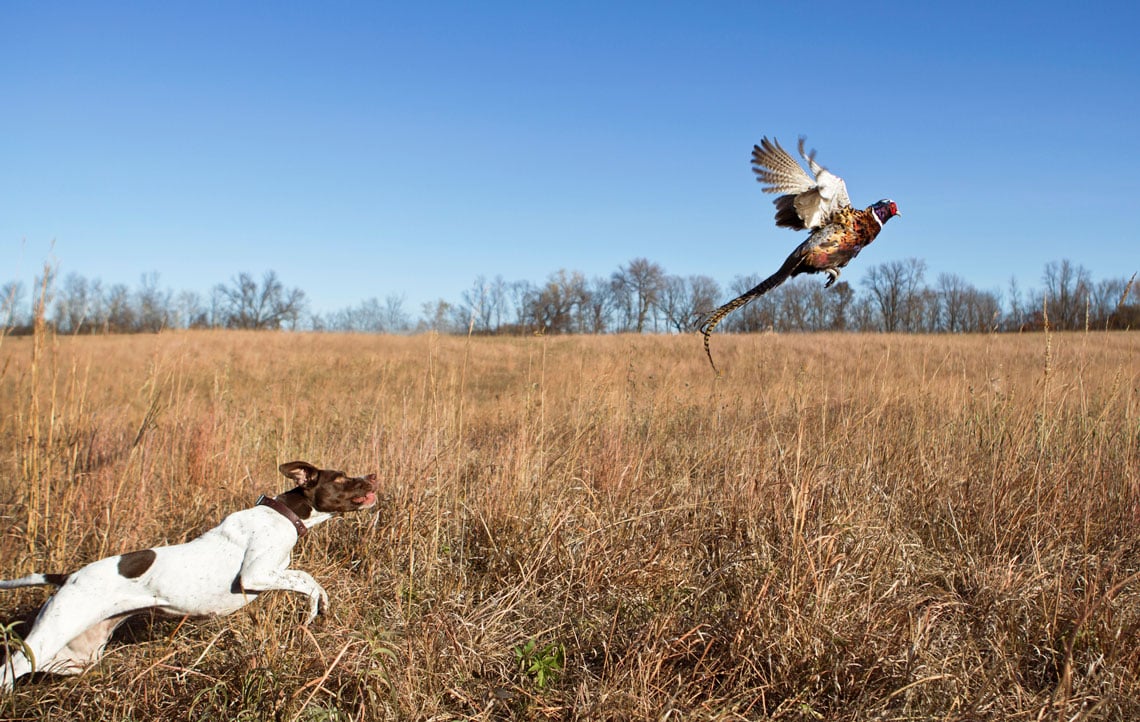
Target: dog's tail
[(34, 580)]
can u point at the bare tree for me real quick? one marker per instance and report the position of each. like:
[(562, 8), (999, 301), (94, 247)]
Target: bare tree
[(862, 316), (497, 299), (825, 309), (11, 300), (372, 316), (704, 293), (152, 304), (556, 307), (1017, 317), (268, 305), (520, 296), (366, 317), (1104, 296), (188, 312), (760, 315), (96, 306), (953, 291), (685, 301), (981, 311), (72, 304), (925, 311), (395, 317), (838, 302), (480, 305), (638, 284), (598, 308), (794, 302), (442, 317), (894, 288), (120, 316), (1066, 293)]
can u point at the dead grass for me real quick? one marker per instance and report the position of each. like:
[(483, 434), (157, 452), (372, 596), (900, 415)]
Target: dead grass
[(842, 527)]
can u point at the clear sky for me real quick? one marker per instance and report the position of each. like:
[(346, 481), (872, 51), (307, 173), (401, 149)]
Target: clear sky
[(362, 149)]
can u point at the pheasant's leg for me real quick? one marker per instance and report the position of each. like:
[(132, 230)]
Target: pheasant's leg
[(833, 276)]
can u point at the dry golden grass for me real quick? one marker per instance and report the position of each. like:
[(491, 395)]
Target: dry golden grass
[(841, 527)]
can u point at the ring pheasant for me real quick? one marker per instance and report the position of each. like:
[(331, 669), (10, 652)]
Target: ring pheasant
[(819, 204)]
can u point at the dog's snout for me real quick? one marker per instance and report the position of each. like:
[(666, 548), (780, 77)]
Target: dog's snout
[(368, 498), (366, 501)]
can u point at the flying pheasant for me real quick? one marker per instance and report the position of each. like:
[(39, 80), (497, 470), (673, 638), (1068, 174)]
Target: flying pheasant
[(819, 204)]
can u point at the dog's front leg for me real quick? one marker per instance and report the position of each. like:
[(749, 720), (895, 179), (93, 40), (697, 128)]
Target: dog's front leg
[(292, 580)]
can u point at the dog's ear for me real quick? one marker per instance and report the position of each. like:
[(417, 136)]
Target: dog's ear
[(302, 472)]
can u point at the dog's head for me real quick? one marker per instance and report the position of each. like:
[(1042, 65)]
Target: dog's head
[(329, 490)]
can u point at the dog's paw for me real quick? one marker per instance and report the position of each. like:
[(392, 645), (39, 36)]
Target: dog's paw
[(318, 604)]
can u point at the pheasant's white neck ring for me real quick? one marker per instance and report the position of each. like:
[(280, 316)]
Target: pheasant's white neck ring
[(876, 217)]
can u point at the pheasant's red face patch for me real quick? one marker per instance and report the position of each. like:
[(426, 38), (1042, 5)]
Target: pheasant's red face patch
[(885, 210)]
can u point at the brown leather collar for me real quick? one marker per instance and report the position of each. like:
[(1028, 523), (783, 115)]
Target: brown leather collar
[(285, 512)]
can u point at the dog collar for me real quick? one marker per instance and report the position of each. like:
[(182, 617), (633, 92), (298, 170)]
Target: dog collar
[(285, 512)]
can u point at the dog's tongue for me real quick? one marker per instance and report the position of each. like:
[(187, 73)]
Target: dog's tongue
[(368, 499)]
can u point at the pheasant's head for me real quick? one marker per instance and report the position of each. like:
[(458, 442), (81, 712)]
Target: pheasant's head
[(885, 210)]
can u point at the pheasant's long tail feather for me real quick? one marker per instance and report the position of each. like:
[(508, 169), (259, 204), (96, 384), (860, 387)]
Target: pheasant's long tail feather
[(710, 323)]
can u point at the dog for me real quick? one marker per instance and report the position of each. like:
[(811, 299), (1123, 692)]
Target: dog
[(213, 575)]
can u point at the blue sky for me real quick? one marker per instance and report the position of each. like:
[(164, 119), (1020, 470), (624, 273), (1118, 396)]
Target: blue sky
[(361, 149)]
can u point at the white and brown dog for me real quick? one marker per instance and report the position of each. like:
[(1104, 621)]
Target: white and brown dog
[(213, 575)]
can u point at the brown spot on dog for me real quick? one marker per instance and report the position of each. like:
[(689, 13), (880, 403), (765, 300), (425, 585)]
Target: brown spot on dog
[(135, 564)]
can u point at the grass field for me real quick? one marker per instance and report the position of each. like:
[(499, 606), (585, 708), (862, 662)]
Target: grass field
[(841, 527)]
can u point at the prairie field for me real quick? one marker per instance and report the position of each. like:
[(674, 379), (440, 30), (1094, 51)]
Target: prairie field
[(840, 527)]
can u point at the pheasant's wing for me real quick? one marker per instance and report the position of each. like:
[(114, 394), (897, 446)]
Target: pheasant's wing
[(824, 240), (828, 195), (807, 201), (774, 167)]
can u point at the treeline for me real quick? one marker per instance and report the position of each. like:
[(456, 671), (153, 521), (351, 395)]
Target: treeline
[(78, 305), (639, 297), (894, 296)]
